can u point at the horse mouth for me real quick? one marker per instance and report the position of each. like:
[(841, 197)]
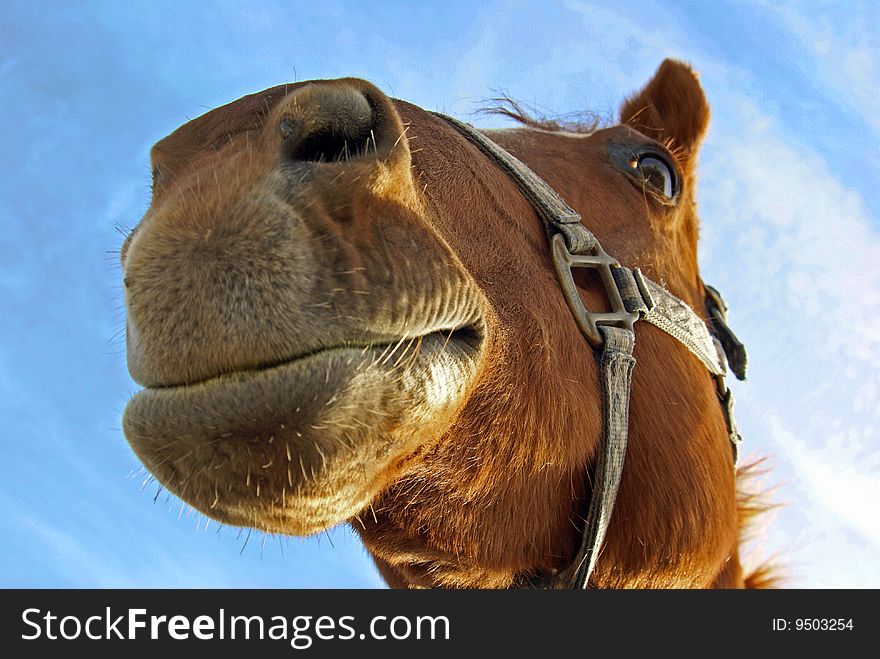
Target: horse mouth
[(466, 338), (301, 444)]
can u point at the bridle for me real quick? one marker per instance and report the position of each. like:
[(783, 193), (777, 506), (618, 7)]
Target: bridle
[(632, 297)]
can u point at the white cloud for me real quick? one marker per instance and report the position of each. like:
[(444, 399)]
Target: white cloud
[(844, 49), (85, 562), (801, 243), (797, 252), (572, 67), (841, 473)]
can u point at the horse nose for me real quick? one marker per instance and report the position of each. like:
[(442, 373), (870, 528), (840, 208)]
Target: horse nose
[(336, 121)]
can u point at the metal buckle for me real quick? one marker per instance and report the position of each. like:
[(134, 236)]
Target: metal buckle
[(564, 262)]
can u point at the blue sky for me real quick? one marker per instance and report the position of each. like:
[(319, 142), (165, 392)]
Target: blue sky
[(788, 198)]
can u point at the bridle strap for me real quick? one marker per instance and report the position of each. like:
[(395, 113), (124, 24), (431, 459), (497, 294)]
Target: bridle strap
[(616, 366), (557, 216), (674, 316), (632, 297)]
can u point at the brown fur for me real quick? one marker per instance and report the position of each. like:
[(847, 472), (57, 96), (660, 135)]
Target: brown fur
[(376, 334)]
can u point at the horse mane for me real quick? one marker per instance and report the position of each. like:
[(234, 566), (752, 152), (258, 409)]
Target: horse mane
[(573, 122), (753, 501)]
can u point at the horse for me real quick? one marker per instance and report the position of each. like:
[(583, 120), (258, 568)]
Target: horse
[(340, 310)]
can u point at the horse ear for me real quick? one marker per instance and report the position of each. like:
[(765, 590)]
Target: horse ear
[(671, 108)]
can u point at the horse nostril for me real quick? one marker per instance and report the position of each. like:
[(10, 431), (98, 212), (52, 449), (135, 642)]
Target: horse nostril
[(328, 125), (327, 144)]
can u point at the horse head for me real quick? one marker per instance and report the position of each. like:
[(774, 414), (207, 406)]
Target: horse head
[(340, 310)]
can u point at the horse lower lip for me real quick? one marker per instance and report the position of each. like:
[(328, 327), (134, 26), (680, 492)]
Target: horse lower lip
[(268, 395), (315, 414)]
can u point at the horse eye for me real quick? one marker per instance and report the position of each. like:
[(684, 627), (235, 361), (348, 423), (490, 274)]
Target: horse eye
[(658, 174)]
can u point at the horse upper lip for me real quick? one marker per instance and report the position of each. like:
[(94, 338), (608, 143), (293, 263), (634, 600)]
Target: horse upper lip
[(468, 335), (267, 365)]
